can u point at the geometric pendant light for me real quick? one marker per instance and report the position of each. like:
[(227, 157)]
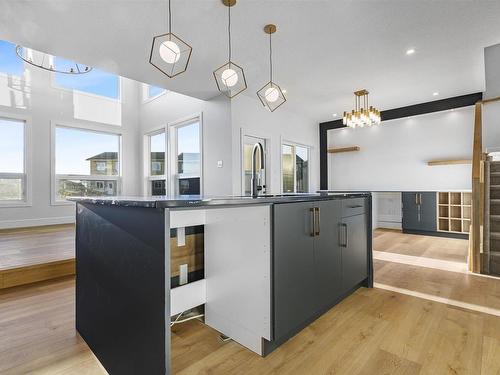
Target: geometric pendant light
[(271, 94), (169, 53), (230, 77)]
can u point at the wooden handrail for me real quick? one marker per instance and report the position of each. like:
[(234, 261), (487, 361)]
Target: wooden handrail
[(477, 193), (477, 216), (491, 100)]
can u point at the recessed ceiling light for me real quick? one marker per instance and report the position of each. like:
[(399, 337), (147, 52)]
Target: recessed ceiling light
[(435, 93), (410, 51)]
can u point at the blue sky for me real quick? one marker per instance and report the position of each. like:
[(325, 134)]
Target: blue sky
[(11, 146), (74, 146), (154, 91), (95, 82), (9, 62)]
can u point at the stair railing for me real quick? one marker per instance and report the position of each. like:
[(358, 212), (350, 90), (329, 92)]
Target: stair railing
[(476, 240)]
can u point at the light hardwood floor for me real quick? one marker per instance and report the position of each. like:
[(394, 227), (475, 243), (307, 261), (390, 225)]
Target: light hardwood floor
[(371, 332), (29, 246), (449, 249)]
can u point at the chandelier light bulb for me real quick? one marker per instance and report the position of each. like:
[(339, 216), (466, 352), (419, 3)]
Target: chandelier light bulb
[(229, 77), (170, 52), (272, 94)]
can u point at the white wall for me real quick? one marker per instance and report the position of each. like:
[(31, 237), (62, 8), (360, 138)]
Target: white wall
[(217, 142), (250, 117), (37, 99), (394, 155)]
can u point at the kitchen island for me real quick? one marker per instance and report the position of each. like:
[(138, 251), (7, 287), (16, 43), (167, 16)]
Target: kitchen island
[(272, 265)]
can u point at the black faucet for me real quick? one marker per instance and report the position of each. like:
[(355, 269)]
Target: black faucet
[(255, 186)]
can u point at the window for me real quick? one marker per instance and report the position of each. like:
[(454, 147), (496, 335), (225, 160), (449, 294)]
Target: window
[(9, 62), (187, 158), (154, 91), (179, 173), (295, 168), (12, 161), (157, 166), (248, 143), (94, 82), (87, 163)]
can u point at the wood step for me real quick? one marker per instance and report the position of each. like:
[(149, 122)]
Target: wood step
[(494, 201), (34, 273), (494, 217), (494, 186), (494, 173)]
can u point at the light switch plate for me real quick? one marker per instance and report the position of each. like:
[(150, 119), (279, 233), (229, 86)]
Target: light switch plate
[(220, 163)]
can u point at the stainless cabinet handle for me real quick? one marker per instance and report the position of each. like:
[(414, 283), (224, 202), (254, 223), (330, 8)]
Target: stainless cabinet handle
[(318, 221), (344, 242), (312, 211), (420, 201), (356, 206), (416, 199)]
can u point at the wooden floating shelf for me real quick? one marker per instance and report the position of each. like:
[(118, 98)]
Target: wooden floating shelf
[(343, 149), (449, 162)]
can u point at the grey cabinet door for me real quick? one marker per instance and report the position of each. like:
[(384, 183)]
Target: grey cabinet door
[(294, 275), (327, 259), (428, 201), (411, 214), (354, 251)]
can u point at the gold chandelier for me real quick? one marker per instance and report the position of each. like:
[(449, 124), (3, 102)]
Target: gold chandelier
[(363, 114)]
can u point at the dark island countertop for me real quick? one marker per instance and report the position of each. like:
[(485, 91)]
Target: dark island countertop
[(186, 201)]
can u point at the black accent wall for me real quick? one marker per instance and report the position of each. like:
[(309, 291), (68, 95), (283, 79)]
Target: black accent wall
[(391, 114)]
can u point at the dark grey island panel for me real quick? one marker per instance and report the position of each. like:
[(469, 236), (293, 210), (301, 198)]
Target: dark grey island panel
[(120, 287)]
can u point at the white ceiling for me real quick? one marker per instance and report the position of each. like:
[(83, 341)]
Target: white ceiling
[(323, 50)]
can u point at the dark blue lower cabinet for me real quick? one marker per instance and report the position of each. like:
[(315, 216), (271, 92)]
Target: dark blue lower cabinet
[(419, 211), (354, 249), (314, 264)]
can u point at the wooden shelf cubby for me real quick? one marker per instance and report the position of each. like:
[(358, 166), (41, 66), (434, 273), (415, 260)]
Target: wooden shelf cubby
[(454, 211)]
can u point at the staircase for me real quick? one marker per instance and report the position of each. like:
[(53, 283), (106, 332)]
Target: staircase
[(492, 230)]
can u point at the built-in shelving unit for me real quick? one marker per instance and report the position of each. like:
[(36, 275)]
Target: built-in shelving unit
[(454, 212)]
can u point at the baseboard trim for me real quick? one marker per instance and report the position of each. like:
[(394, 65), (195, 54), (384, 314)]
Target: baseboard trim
[(39, 222)]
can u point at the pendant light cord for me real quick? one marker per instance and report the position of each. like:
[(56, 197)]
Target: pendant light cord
[(229, 30), (270, 58), (169, 17)]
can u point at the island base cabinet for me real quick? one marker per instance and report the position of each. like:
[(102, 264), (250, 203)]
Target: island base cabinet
[(318, 258), (354, 248), (294, 280)]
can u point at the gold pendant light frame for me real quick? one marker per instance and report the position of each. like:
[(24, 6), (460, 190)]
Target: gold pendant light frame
[(271, 90), (230, 77), (181, 54)]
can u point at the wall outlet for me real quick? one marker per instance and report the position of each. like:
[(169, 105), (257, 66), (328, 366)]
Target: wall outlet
[(220, 163), (183, 274), (181, 236)]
